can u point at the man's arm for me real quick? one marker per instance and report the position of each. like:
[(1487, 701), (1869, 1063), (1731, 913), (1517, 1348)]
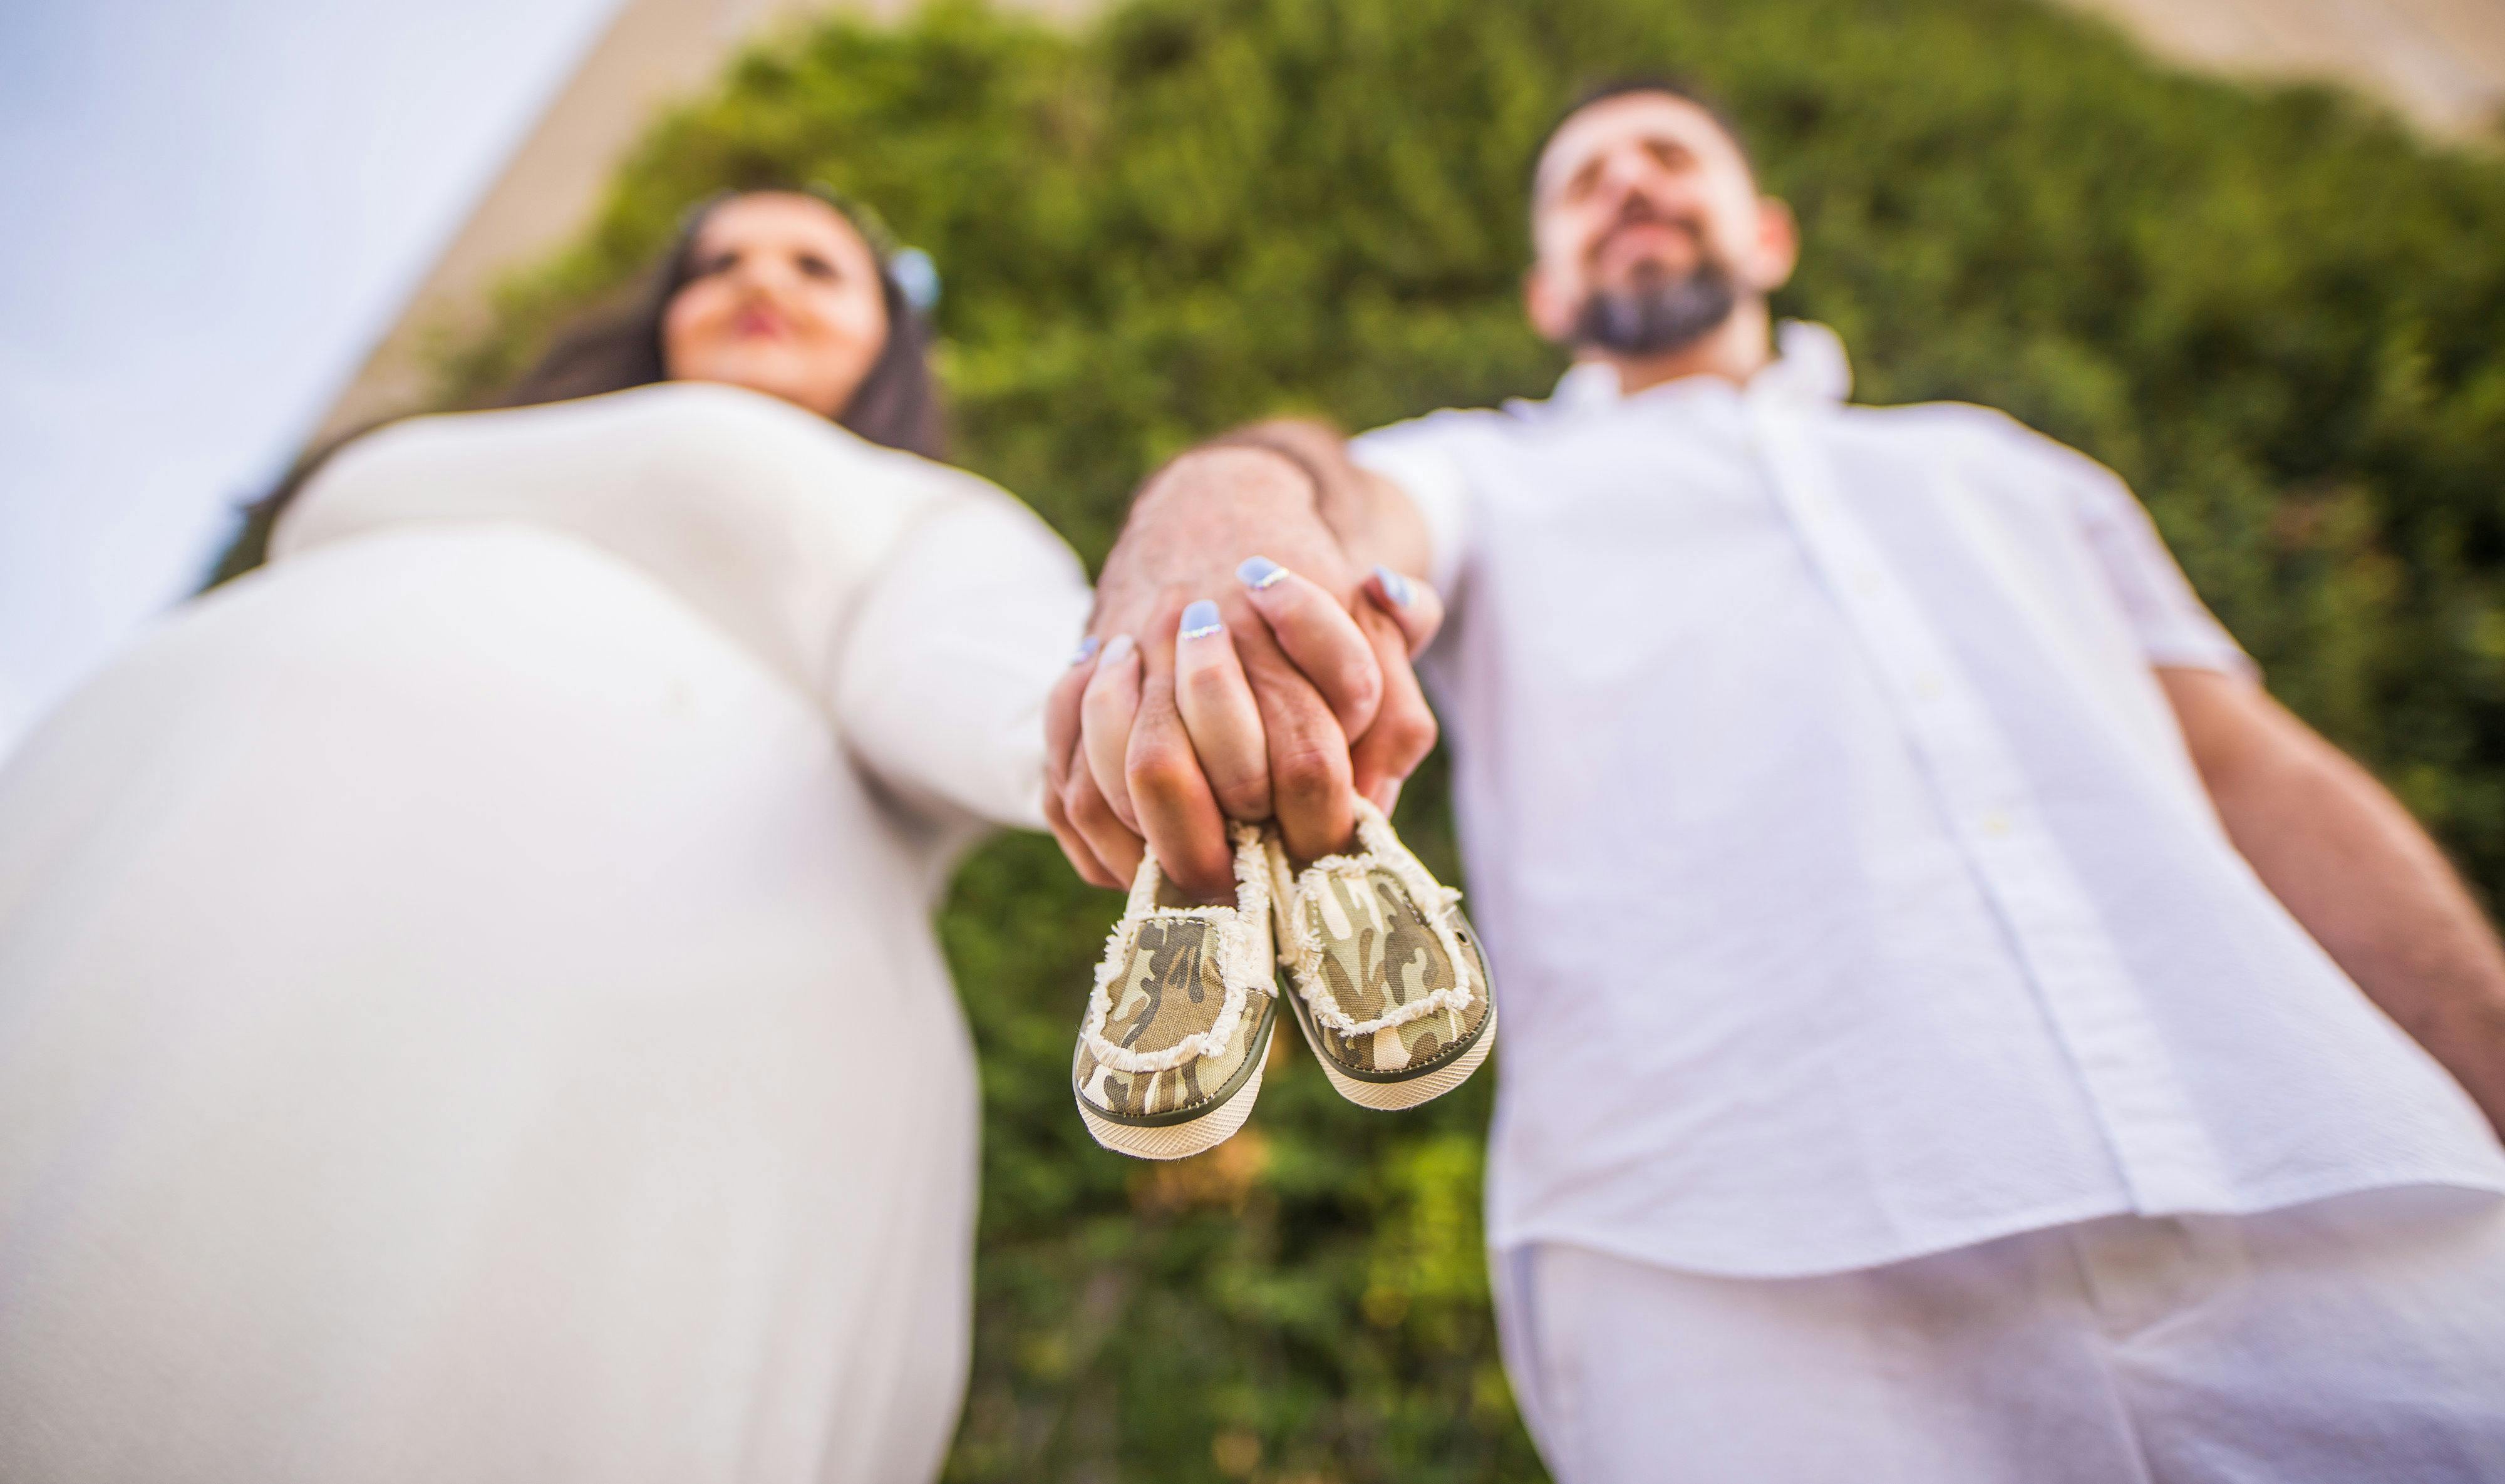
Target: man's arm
[(1309, 696), (1374, 521), (2351, 866)]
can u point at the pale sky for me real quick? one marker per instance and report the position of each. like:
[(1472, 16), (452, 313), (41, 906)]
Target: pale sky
[(215, 209)]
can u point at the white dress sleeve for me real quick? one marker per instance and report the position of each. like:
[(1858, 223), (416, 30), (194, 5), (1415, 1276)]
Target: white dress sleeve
[(926, 611), (940, 690)]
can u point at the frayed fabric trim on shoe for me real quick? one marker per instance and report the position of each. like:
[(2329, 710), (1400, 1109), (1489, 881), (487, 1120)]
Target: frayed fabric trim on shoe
[(1301, 945), (1238, 931)]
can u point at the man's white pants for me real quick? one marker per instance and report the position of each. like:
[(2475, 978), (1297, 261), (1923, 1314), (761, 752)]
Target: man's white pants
[(2350, 1341)]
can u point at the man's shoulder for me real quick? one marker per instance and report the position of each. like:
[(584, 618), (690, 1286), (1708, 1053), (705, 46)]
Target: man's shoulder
[(1970, 434), (1946, 421)]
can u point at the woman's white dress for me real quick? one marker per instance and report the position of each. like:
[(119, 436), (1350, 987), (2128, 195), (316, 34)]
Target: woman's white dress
[(467, 1007)]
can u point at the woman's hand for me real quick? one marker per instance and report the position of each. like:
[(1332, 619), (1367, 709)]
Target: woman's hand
[(1235, 695)]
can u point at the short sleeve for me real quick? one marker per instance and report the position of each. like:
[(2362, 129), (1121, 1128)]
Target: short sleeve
[(1419, 456), (2174, 628), (942, 680)]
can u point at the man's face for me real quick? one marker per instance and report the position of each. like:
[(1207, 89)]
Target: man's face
[(1648, 228)]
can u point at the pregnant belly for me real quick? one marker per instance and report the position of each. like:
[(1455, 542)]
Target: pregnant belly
[(483, 735), (445, 957), (473, 771)]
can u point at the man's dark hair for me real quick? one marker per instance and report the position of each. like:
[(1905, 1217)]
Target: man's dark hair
[(1666, 84), (896, 404)]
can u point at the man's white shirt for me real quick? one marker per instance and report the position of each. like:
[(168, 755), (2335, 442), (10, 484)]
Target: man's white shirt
[(1850, 892)]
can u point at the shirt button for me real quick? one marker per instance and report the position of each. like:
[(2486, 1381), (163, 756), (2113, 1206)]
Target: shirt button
[(1869, 581), (1997, 822), (1926, 686)]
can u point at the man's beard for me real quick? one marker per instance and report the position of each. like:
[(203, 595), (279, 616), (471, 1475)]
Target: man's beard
[(1658, 316)]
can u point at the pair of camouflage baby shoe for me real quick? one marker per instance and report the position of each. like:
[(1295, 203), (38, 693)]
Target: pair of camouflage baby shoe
[(1382, 975)]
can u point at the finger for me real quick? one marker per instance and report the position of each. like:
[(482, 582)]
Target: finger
[(1177, 811), (1061, 737), (1106, 712), (1061, 716), (1315, 631), (1218, 712), (1115, 848), (1403, 732), (1310, 771), (1413, 603), (1073, 845)]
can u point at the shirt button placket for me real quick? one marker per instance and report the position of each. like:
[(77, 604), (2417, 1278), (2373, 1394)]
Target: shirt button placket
[(2084, 991)]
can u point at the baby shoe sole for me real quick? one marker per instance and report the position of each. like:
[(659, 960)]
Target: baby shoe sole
[(1394, 1091), (1166, 1135)]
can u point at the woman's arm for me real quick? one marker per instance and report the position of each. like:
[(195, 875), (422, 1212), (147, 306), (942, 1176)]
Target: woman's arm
[(2350, 864), (942, 679)]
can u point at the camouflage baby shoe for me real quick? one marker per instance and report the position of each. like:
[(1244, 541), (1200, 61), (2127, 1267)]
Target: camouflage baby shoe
[(1387, 984), (1179, 1023)]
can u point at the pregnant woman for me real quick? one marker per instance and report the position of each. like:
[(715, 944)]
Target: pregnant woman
[(467, 1007)]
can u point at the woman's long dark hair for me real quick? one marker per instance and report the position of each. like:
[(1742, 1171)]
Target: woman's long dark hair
[(896, 403)]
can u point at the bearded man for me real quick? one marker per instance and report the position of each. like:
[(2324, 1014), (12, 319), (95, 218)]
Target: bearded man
[(1957, 1026)]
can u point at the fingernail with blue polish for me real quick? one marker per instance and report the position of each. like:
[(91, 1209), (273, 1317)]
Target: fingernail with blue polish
[(1200, 621), (1117, 649), (1259, 572), (1087, 648), (1395, 585)]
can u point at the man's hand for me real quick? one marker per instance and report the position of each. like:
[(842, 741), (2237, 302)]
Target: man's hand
[(1241, 652)]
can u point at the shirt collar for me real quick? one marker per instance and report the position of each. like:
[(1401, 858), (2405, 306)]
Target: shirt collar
[(1809, 367)]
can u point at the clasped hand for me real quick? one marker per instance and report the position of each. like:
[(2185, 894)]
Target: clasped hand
[(1242, 667)]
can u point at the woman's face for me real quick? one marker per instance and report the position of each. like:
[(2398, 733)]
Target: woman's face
[(784, 299)]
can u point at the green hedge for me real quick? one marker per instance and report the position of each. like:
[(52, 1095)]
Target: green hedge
[(2276, 313)]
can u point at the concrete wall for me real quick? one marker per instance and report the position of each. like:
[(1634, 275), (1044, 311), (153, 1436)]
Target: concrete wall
[(2441, 62)]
